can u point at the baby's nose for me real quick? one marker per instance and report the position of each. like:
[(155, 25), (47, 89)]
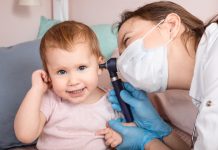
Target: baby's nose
[(73, 80)]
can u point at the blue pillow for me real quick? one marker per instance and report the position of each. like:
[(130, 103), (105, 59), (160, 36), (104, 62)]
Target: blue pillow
[(107, 38), (45, 24), (106, 35), (17, 64)]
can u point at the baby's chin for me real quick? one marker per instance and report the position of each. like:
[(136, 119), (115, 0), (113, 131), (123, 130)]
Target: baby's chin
[(77, 100)]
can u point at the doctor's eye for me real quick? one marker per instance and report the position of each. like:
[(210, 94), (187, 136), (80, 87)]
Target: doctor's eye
[(125, 41), (81, 68), (61, 72)]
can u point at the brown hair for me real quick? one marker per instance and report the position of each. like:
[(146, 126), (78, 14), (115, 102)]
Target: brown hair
[(65, 35), (213, 20), (158, 11)]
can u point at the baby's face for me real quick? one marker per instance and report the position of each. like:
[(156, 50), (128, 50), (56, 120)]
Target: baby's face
[(74, 74)]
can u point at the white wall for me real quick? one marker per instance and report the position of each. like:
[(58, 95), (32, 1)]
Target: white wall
[(19, 23), (100, 11), (108, 11)]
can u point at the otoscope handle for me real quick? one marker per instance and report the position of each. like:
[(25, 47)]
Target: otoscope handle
[(118, 87)]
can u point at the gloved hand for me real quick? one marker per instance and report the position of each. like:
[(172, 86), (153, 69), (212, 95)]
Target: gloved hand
[(144, 114), (133, 137)]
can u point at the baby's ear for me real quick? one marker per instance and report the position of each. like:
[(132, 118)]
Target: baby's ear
[(101, 60), (49, 81)]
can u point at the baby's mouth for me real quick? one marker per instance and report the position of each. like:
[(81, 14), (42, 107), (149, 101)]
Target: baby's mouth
[(79, 91)]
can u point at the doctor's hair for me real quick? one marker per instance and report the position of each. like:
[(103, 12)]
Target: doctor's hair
[(65, 36), (213, 20), (157, 11)]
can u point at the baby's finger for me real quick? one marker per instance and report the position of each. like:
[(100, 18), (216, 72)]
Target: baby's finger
[(45, 79), (115, 143), (108, 135), (109, 141), (44, 76), (101, 132)]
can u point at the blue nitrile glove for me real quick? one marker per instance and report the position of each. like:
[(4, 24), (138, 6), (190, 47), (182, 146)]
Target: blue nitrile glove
[(133, 137), (144, 114)]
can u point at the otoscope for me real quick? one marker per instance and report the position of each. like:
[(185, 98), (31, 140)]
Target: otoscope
[(111, 66)]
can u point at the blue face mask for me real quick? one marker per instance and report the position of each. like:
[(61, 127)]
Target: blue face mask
[(145, 69)]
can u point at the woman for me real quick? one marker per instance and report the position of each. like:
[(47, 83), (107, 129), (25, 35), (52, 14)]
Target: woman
[(163, 46)]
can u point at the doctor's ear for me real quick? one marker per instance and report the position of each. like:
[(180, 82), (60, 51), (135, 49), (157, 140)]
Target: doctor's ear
[(173, 24)]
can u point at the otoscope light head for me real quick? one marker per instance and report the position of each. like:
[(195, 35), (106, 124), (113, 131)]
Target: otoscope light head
[(102, 66), (111, 66)]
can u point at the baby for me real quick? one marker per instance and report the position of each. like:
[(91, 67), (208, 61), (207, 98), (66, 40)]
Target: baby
[(64, 108)]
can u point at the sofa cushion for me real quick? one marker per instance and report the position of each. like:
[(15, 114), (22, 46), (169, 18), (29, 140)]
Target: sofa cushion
[(17, 64)]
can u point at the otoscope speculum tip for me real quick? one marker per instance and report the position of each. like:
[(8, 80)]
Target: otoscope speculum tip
[(102, 66)]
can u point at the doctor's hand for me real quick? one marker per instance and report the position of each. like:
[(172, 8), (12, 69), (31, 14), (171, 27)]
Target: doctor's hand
[(144, 114), (133, 137)]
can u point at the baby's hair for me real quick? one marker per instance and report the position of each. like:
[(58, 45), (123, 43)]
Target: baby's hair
[(65, 35)]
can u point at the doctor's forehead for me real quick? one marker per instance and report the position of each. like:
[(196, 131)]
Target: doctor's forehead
[(126, 27), (132, 25)]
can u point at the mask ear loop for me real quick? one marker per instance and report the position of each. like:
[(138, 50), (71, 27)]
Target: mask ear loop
[(169, 41), (170, 35), (152, 29)]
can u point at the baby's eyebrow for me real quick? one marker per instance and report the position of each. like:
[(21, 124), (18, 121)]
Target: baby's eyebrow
[(59, 68), (81, 64)]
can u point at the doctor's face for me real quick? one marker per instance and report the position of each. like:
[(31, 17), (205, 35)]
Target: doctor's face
[(177, 51), (136, 28)]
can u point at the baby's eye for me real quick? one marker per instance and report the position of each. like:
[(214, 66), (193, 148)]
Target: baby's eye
[(81, 68), (61, 72)]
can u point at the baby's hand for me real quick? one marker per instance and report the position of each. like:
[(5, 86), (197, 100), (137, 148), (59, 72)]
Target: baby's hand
[(112, 138), (40, 81)]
